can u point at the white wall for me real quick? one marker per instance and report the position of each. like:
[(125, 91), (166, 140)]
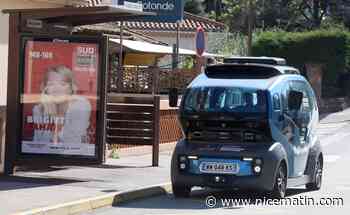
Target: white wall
[(187, 39), (186, 42), (3, 58)]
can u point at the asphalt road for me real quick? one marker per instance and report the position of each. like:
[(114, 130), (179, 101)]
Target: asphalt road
[(334, 197)]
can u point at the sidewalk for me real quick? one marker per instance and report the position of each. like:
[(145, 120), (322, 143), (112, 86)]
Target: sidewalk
[(34, 189)]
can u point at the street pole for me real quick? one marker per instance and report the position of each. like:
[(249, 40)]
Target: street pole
[(178, 25), (120, 62)]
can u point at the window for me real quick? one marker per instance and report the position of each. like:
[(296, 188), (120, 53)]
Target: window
[(224, 99), (306, 107), (307, 103)]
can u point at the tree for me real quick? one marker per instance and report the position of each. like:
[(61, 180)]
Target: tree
[(194, 6), (214, 7), (314, 11), (289, 15), (234, 14)]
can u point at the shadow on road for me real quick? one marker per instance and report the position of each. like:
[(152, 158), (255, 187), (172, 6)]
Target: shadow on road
[(22, 182), (109, 166)]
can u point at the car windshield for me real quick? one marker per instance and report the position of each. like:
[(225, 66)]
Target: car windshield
[(225, 99)]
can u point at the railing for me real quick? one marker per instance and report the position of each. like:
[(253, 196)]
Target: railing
[(149, 80), (179, 79), (134, 121)]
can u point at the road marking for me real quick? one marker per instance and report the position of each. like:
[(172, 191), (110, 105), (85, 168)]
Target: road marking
[(332, 125), (331, 158), (342, 188), (338, 137)]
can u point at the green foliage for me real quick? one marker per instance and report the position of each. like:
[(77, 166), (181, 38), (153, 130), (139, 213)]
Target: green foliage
[(194, 6), (328, 47), (229, 44), (234, 14), (187, 62), (114, 154)]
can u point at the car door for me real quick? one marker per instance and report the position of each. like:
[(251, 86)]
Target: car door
[(311, 107), (301, 123), (286, 126)]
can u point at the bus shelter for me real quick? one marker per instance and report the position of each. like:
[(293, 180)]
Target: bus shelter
[(57, 102)]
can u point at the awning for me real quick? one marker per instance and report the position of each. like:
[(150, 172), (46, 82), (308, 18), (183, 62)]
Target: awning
[(145, 47), (76, 16)]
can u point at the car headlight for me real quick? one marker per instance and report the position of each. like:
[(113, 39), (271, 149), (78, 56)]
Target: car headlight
[(182, 166), (257, 165), (257, 169)]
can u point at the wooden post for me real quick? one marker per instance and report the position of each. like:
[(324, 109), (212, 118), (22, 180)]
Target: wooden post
[(155, 80), (156, 130), (2, 136), (13, 92)]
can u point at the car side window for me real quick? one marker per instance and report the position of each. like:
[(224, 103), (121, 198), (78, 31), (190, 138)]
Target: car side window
[(307, 104), (311, 95)]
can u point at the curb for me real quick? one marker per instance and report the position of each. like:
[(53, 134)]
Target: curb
[(90, 204)]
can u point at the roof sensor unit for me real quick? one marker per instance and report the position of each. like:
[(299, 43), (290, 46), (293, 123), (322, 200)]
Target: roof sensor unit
[(230, 71), (256, 60)]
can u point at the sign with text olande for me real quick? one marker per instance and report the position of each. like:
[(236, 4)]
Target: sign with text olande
[(59, 100), (166, 10)]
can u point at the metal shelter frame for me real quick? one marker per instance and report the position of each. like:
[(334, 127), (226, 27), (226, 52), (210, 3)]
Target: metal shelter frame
[(53, 22)]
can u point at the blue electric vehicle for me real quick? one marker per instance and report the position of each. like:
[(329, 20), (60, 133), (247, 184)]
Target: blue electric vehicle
[(249, 126)]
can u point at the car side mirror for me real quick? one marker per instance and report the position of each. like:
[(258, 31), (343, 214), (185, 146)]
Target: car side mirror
[(295, 99), (173, 97)]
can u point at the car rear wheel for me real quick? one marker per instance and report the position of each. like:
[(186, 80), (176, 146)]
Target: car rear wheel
[(317, 177), (181, 191), (280, 187)]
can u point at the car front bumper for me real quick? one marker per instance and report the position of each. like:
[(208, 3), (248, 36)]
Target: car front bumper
[(193, 177)]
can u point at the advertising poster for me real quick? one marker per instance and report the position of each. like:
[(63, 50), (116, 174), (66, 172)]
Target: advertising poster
[(59, 98)]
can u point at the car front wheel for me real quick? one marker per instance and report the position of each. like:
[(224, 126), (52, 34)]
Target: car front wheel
[(317, 177), (280, 187), (181, 191)]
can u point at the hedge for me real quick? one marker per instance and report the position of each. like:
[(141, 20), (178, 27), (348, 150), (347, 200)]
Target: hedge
[(328, 47)]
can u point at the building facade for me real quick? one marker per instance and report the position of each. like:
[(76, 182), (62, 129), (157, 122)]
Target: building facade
[(166, 32)]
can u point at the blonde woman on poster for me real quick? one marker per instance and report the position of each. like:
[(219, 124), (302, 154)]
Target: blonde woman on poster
[(62, 116)]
